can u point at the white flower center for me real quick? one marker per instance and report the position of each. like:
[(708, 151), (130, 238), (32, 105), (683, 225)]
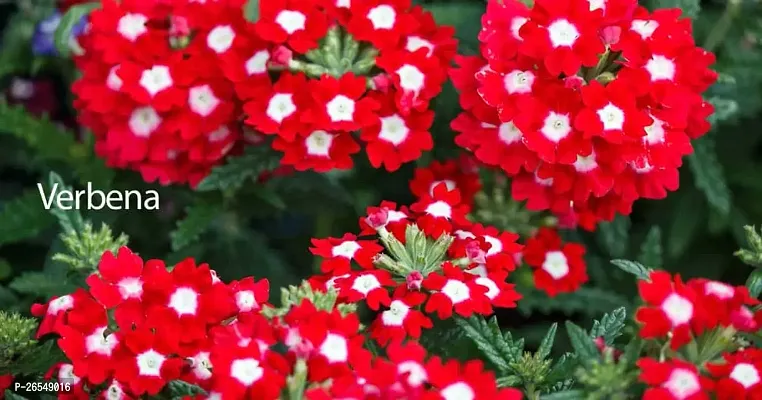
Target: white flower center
[(612, 117), (719, 289), (562, 33), (396, 216), (62, 303), (219, 135), (291, 21), (220, 38), (393, 129), (518, 82), (247, 371), (202, 365), (202, 101), (597, 4), (678, 309), (448, 183), (641, 165), (411, 78), (113, 81), (556, 127), (396, 314), (682, 383), (516, 24), (340, 108), (382, 17), (257, 64), (458, 391), (654, 132), (495, 245), (365, 284), (456, 291), (439, 209), (414, 43), (144, 121), (184, 301), (542, 181), (492, 289), (132, 26), (334, 348), (149, 363), (660, 68), (96, 342), (417, 373), (585, 164), (508, 133), (343, 3), (114, 392), (245, 300), (644, 28), (319, 143), (346, 249), (280, 107), (156, 79), (66, 374), (555, 264), (745, 374)]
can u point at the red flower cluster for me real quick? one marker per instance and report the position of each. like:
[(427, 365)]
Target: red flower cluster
[(587, 105), (140, 325), (683, 312), (166, 84), (559, 267)]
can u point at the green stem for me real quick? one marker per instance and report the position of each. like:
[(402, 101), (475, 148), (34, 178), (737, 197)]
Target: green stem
[(721, 28), (531, 393)]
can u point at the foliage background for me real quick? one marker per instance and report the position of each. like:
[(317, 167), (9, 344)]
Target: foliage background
[(264, 230)]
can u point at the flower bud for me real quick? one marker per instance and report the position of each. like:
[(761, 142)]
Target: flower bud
[(610, 35), (178, 26), (282, 56), (378, 219), (381, 82), (475, 253), (414, 280), (574, 82)]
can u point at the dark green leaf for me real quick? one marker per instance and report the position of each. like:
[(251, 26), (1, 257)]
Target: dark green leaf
[(40, 284), (15, 53), (546, 346), (23, 218), (9, 395), (5, 269), (231, 176), (69, 220), (688, 219), (635, 268), (589, 300), (583, 345), (614, 236), (754, 283), (461, 16), (251, 10), (198, 219), (509, 381), (651, 249), (610, 326), (178, 389), (708, 174), (563, 369), (68, 21), (565, 395), (37, 361), (632, 351), (490, 340)]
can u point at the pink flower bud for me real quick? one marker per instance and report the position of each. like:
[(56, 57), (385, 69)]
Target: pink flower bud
[(414, 280), (602, 347), (381, 82), (378, 219), (283, 56), (518, 257), (179, 26), (611, 34), (574, 82), (475, 253)]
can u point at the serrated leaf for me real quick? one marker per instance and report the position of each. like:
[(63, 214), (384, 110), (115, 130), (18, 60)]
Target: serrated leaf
[(23, 217), (708, 174), (631, 353), (509, 381), (68, 21), (610, 326), (69, 220), (231, 176), (565, 395), (589, 300), (37, 361), (635, 268), (583, 345), (198, 219), (563, 369), (754, 283), (40, 284), (614, 236), (546, 345), (651, 249), (178, 389), (490, 340)]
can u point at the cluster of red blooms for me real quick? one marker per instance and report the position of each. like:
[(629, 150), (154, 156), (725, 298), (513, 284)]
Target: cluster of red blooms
[(586, 105), (166, 84), (681, 312), (469, 278), (139, 326)]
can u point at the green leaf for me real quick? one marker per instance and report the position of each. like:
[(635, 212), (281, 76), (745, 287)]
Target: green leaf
[(614, 236), (632, 351), (754, 283), (16, 53), (23, 217), (563, 369), (40, 284), (708, 174), (589, 300), (9, 395), (5, 269), (688, 219), (309, 186), (68, 21), (610, 326), (635, 268), (582, 343), (460, 15), (198, 219), (546, 346), (500, 350), (565, 395), (448, 340), (69, 220), (37, 361), (251, 10), (651, 249), (509, 381), (178, 389), (231, 176)]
